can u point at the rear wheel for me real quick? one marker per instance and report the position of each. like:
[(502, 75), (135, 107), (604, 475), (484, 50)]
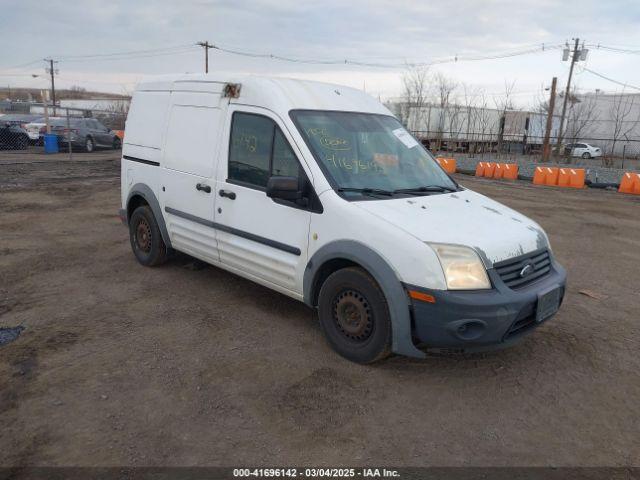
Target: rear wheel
[(145, 237), (354, 316), (89, 145)]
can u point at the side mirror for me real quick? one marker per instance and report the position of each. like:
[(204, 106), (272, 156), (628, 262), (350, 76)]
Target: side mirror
[(284, 188)]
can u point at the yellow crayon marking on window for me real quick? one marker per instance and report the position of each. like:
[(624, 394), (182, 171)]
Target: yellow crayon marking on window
[(335, 143), (246, 141)]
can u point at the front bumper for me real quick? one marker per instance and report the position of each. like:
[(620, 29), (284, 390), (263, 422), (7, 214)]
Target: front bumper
[(479, 320)]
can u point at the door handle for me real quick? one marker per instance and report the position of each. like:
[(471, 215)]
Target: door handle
[(228, 194), (203, 188)]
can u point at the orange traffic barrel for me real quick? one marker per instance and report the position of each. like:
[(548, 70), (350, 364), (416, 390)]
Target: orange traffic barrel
[(510, 171), (546, 176), (571, 177), (448, 164), (630, 183), (489, 169)]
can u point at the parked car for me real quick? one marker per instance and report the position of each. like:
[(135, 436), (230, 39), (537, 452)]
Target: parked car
[(20, 119), (317, 192), (85, 133), (13, 136), (37, 128), (583, 150)]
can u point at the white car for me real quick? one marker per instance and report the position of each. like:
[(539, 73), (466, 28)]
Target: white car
[(316, 191), (583, 150), (36, 129)]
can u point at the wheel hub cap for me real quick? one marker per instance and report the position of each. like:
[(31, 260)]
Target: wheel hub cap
[(143, 236), (352, 315)]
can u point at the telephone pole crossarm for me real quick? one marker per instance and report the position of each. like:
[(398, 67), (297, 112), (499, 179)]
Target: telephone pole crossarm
[(207, 46)]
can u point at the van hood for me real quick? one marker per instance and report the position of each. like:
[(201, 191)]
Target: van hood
[(467, 218)]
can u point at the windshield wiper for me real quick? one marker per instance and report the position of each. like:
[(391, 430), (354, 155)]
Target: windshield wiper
[(367, 191), (426, 189)]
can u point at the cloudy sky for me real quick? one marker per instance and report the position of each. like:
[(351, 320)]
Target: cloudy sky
[(84, 35)]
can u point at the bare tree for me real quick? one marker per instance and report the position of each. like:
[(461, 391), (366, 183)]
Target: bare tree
[(486, 121), (583, 112), (415, 82), (444, 88), (471, 123), (503, 104), (625, 119)]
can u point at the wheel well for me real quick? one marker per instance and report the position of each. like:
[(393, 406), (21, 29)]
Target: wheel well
[(323, 273), (135, 202)]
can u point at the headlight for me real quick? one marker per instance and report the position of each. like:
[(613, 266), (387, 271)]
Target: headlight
[(463, 269)]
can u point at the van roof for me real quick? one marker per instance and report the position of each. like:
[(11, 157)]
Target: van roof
[(275, 93)]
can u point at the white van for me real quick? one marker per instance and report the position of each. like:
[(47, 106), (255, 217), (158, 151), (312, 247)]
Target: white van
[(318, 192)]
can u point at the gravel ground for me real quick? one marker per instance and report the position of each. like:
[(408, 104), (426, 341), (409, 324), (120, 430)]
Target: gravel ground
[(526, 167), (181, 365)]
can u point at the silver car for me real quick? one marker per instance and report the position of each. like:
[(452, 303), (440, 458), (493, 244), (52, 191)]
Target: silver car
[(85, 133)]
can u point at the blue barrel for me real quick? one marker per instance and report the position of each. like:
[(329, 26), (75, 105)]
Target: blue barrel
[(50, 143)]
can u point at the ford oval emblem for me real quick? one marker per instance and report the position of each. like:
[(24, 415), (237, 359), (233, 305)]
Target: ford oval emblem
[(527, 270)]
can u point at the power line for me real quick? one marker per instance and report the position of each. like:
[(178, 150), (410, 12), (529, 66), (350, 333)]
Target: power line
[(184, 50), (130, 52), (610, 79), (599, 46), (453, 59)]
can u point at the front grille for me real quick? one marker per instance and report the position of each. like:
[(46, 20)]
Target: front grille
[(511, 270)]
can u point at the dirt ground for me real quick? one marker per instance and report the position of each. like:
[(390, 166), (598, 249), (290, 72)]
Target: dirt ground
[(180, 365)]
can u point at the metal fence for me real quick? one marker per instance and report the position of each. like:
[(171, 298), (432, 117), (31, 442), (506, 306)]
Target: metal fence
[(614, 153), (74, 130)]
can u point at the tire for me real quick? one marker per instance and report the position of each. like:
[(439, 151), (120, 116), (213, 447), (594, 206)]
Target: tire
[(117, 143), (145, 237), (354, 316), (89, 145), (586, 155)]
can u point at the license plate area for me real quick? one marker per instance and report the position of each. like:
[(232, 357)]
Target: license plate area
[(548, 303)]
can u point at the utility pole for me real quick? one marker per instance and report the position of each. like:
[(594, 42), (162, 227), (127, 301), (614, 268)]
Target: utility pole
[(576, 56), (546, 147), (206, 45), (53, 72)]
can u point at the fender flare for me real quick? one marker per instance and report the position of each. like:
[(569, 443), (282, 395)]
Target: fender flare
[(145, 192), (387, 279)]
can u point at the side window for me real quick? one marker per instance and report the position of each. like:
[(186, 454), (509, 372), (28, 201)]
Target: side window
[(258, 150), (250, 148), (285, 163)]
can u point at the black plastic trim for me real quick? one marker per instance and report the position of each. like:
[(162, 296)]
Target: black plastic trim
[(234, 231), (141, 160)]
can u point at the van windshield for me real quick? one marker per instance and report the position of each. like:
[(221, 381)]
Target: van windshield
[(370, 154)]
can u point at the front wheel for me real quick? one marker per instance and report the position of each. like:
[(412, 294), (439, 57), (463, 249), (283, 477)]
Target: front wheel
[(89, 145), (145, 237), (117, 143), (586, 155), (354, 316)]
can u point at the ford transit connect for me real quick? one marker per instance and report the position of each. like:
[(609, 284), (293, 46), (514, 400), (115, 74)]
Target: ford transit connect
[(318, 192)]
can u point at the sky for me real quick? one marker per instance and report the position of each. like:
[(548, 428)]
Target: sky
[(84, 37)]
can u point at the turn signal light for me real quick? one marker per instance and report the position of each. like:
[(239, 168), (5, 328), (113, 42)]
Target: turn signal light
[(423, 297)]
